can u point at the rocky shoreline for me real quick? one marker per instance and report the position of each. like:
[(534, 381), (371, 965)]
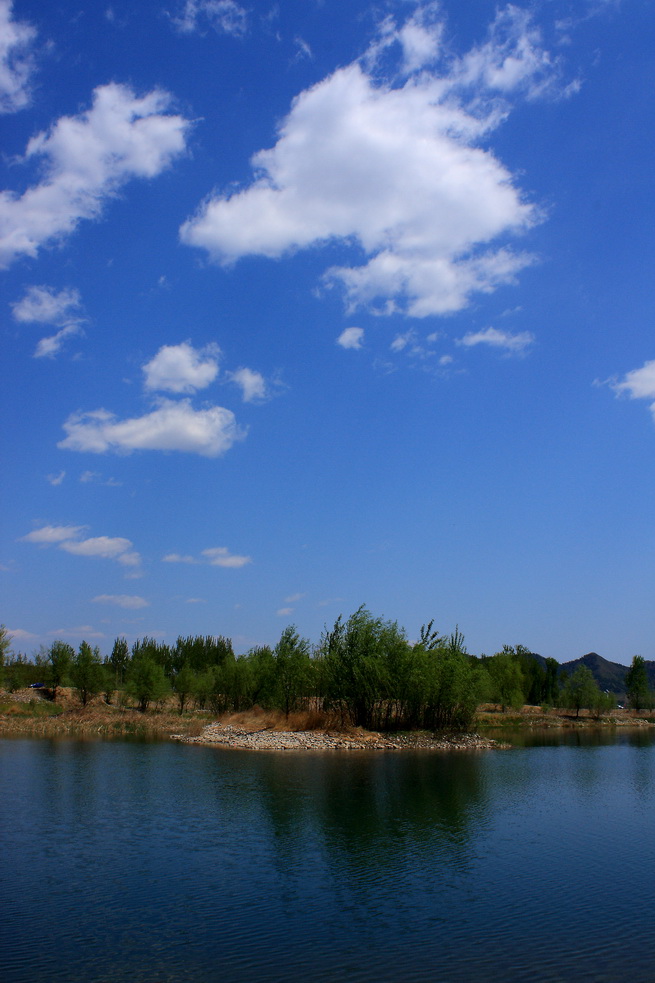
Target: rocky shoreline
[(268, 739)]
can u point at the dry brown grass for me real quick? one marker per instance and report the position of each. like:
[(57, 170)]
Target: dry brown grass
[(23, 714), (257, 719)]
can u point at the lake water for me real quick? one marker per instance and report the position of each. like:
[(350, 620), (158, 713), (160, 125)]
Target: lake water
[(166, 863)]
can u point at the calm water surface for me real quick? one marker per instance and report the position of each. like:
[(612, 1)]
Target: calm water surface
[(165, 863)]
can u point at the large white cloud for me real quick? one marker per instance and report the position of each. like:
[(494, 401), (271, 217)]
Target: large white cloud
[(16, 62), (172, 426), (87, 158), (182, 368), (395, 170)]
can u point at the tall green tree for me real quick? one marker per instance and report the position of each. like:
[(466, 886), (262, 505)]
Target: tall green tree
[(146, 680), (506, 678), (119, 660), (86, 672), (580, 691), (60, 656), (292, 669), (636, 683)]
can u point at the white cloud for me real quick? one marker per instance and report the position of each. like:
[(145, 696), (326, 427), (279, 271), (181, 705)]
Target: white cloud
[(514, 343), (351, 338), (52, 534), (293, 598), (56, 479), (399, 172), (220, 556), (81, 631), (511, 58), (130, 602), (638, 384), (21, 635), (173, 426), (67, 538), (52, 345), (45, 305), (284, 612), (216, 556), (182, 368), (225, 16), (86, 159), (253, 384), (401, 341), (16, 61)]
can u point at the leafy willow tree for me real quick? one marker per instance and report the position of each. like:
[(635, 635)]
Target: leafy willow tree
[(355, 671), (636, 683), (86, 672), (60, 656), (506, 678), (292, 669)]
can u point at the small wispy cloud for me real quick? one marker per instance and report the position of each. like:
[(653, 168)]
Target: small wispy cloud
[(511, 343), (130, 602), (225, 16), (215, 556)]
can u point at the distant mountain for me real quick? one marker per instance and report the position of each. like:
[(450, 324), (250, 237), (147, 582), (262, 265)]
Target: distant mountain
[(608, 675)]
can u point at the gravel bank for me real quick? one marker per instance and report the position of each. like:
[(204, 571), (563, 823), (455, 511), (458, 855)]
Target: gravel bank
[(309, 740)]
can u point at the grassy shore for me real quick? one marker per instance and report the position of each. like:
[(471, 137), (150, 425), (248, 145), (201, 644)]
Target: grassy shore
[(27, 714)]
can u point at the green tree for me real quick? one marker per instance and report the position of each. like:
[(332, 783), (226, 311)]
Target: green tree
[(119, 660), (146, 681), (355, 669), (292, 669), (5, 645), (580, 690), (183, 684), (506, 678), (551, 682), (60, 656), (636, 683), (86, 672)]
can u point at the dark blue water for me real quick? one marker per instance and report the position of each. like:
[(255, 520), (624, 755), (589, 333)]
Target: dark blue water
[(184, 864)]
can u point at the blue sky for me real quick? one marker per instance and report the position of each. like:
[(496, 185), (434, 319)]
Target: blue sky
[(312, 304)]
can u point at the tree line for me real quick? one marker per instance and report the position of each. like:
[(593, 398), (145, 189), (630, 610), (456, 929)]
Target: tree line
[(363, 669)]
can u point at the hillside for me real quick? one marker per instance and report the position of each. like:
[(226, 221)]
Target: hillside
[(608, 675)]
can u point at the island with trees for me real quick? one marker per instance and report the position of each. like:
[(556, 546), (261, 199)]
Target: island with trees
[(363, 673)]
